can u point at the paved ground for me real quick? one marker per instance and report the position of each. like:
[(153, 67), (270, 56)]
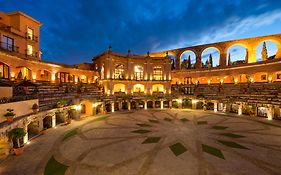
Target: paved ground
[(170, 142)]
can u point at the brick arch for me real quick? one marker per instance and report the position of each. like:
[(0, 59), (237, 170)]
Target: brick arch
[(211, 47)]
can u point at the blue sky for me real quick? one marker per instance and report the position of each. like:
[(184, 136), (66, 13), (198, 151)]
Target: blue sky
[(74, 31)]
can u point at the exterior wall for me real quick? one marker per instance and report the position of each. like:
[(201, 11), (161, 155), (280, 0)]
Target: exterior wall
[(20, 108), (6, 92)]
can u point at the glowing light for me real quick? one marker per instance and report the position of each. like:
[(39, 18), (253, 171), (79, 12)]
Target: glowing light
[(78, 107), (179, 100), (95, 105), (53, 77), (221, 81), (34, 77), (194, 101), (269, 78), (209, 81), (13, 74), (235, 80), (28, 142)]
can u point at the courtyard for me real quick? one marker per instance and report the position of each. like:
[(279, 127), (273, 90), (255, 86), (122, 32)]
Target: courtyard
[(154, 142)]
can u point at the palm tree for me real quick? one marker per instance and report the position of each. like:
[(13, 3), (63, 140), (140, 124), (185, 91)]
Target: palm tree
[(17, 134)]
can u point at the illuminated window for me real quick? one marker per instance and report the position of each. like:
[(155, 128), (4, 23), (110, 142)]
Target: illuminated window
[(157, 73), (29, 50), (63, 77), (138, 88), (119, 71), (30, 33), (263, 77), (278, 76), (4, 71), (138, 72)]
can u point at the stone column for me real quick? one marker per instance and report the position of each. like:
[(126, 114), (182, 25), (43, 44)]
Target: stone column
[(224, 107), (145, 104), (215, 106), (25, 138), (270, 112), (162, 104), (129, 105), (170, 104), (137, 105), (112, 106), (194, 105), (54, 120), (153, 103), (240, 109), (120, 106)]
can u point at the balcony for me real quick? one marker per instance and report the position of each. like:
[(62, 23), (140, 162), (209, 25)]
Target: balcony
[(31, 54), (9, 47), (31, 37)]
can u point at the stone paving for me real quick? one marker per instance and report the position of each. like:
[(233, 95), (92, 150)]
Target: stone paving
[(166, 142)]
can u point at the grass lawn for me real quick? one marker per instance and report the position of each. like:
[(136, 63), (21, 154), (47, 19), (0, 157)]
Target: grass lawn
[(151, 140), (219, 127), (178, 149), (232, 144), (213, 151), (53, 167), (141, 131), (70, 133)]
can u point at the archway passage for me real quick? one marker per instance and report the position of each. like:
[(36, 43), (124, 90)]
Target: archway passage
[(157, 104), (141, 104), (133, 105), (119, 88), (108, 107), (187, 60), (236, 54), (175, 104), (47, 122), (266, 50), (187, 103), (116, 106), (210, 57), (32, 129), (166, 104), (150, 104), (124, 105)]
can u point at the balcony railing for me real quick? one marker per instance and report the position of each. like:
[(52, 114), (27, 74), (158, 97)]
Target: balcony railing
[(9, 47), (31, 37), (33, 54)]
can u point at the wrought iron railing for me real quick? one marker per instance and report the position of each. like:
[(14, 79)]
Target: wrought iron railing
[(31, 37)]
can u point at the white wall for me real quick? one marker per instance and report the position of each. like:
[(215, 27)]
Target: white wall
[(20, 108), (6, 92)]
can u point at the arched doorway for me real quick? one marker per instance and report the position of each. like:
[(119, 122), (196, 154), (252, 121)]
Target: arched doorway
[(116, 106), (175, 104), (150, 104), (4, 71), (32, 129), (166, 104), (133, 105), (108, 107), (157, 104), (141, 104), (47, 122), (187, 103)]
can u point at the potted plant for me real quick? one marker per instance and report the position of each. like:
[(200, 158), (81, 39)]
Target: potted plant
[(35, 108), (61, 103), (16, 135), (10, 115)]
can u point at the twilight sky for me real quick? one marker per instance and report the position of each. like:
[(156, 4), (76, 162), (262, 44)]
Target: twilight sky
[(74, 31)]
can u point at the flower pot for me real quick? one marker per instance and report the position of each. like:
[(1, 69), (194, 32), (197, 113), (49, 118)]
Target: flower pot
[(9, 118), (35, 110), (18, 151)]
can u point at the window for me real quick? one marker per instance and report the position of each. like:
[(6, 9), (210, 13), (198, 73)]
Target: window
[(8, 43), (138, 72), (263, 77), (4, 71), (64, 77), (278, 76), (119, 71), (157, 73), (29, 49), (30, 34)]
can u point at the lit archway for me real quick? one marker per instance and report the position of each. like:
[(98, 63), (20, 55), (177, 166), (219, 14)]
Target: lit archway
[(187, 60), (138, 88), (119, 88), (157, 88), (210, 57), (266, 50), (236, 54), (23, 73), (43, 75)]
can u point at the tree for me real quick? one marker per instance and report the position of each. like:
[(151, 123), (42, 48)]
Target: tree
[(229, 63), (264, 52), (189, 62), (210, 63)]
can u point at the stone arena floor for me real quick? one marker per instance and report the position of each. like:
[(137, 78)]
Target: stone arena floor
[(154, 142)]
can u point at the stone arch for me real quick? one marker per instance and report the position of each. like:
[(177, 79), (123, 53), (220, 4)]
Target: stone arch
[(32, 129), (23, 72), (44, 75), (184, 59), (150, 104), (47, 122), (138, 88), (119, 87), (271, 48), (157, 88), (212, 51), (4, 70), (237, 54)]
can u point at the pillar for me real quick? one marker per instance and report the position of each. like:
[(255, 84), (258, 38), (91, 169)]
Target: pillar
[(137, 105), (224, 107), (180, 103), (129, 105), (54, 120), (25, 138), (194, 104), (215, 106), (145, 104), (103, 108), (240, 109), (120, 106), (170, 104), (153, 103), (112, 106), (162, 104), (270, 112)]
